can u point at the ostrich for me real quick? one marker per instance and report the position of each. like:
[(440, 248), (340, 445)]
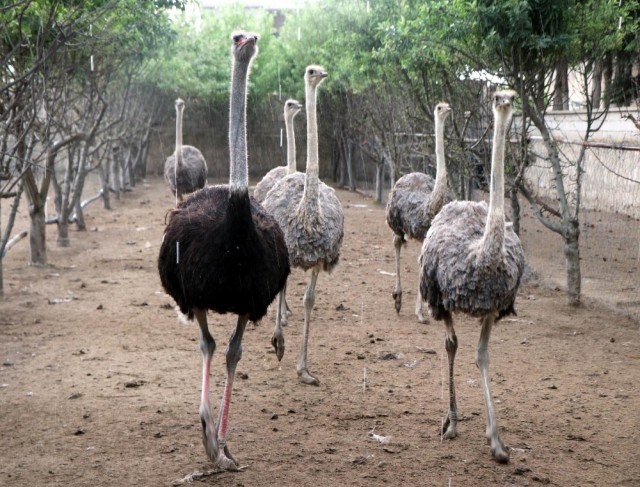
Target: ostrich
[(185, 171), (291, 109), (413, 202), (223, 252), (311, 217), (471, 262)]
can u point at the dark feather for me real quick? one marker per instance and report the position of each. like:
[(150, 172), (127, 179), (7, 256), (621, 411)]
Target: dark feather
[(232, 254)]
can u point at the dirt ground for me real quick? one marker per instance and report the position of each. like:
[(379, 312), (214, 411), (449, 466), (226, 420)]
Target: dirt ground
[(99, 383)]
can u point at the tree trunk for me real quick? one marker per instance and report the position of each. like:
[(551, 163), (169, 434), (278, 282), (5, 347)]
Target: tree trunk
[(63, 228), (379, 183), (344, 170), (37, 233), (79, 217), (607, 75), (104, 183), (142, 164), (5, 237), (2, 244), (572, 256), (596, 82), (561, 86), (116, 172), (352, 184)]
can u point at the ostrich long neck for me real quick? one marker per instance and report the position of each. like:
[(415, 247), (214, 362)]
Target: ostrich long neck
[(440, 186), (239, 173), (311, 182), (178, 152), (291, 145), (493, 238)]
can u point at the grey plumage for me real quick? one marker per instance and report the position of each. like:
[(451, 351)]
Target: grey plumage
[(291, 109), (457, 275), (311, 217), (472, 262), (185, 171), (313, 232), (414, 201)]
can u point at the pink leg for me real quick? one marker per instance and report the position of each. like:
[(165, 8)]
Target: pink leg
[(277, 340), (207, 347), (234, 353)]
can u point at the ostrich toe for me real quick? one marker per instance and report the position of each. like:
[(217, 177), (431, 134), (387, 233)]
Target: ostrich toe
[(397, 296), (449, 429), (209, 435), (225, 460), (307, 378), (278, 344), (500, 451)]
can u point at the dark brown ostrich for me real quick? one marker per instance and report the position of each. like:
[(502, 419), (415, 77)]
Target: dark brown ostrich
[(223, 252), (472, 262)]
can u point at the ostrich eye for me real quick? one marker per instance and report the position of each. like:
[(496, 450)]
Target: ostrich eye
[(237, 38), (312, 71)]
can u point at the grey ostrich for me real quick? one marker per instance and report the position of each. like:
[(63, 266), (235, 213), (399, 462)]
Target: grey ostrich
[(472, 262), (311, 217), (185, 171), (223, 252), (415, 200), (291, 109)]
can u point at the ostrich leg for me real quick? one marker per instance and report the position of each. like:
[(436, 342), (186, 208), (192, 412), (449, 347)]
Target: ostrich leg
[(397, 293), (207, 347), (277, 340), (309, 299), (498, 449), (284, 307), (451, 345), (234, 353), (419, 315)]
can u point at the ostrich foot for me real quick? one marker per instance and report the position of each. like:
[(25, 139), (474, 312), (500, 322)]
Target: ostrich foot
[(420, 316), (225, 460), (500, 451), (221, 457), (307, 378), (278, 344), (397, 296), (449, 429), (216, 449)]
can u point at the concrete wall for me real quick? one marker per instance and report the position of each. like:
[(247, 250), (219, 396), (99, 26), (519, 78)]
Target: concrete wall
[(611, 180)]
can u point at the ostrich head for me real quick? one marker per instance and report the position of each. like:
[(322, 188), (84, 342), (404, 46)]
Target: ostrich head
[(314, 75), (292, 107), (503, 104), (245, 46), (179, 104), (442, 111)]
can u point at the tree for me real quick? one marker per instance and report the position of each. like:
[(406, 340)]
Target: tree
[(526, 42), (49, 51)]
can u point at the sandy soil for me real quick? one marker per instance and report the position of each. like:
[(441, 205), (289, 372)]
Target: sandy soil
[(99, 383)]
